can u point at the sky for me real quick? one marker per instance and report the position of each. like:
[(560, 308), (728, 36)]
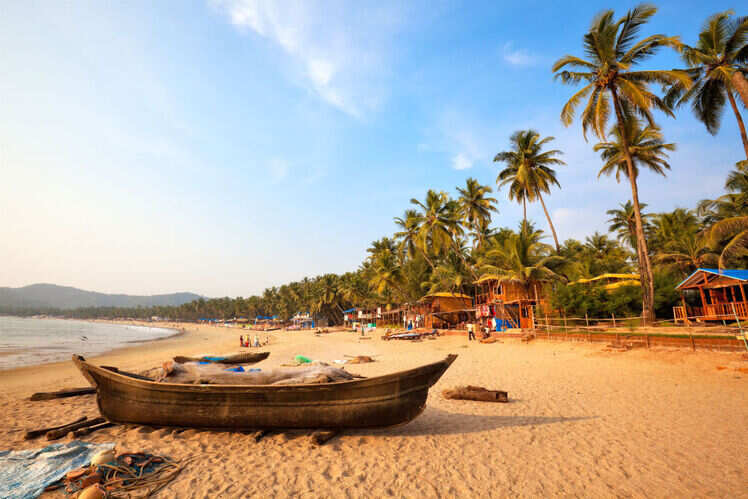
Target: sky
[(225, 146)]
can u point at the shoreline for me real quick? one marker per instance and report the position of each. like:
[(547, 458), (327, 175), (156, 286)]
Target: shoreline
[(176, 332)]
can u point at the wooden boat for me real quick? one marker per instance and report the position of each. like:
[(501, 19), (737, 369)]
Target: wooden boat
[(239, 358), (370, 402)]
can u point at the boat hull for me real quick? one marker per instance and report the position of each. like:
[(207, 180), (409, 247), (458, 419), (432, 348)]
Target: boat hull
[(371, 402)]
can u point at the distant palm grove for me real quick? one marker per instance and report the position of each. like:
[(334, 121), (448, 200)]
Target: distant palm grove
[(446, 241)]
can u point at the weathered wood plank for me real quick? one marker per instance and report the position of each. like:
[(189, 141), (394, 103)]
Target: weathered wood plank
[(70, 392)]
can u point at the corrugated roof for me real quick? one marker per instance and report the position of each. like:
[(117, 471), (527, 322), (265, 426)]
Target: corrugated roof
[(738, 274)]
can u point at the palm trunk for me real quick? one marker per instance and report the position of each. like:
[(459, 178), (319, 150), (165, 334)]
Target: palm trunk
[(524, 209), (464, 262), (740, 85), (428, 260), (741, 125), (645, 268), (553, 230)]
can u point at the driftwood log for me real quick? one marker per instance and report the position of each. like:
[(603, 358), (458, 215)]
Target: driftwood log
[(262, 434), (323, 436), (42, 431), (91, 429), (61, 432), (70, 392), (475, 393)]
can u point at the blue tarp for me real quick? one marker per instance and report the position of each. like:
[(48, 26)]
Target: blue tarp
[(25, 473), (349, 310)]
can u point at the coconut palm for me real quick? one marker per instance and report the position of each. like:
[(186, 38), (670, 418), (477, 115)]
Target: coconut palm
[(528, 171), (646, 147), (623, 224), (732, 204), (522, 258), (717, 64), (439, 224), (613, 51), (408, 236), (450, 276), (475, 204), (687, 251), (481, 232), (387, 276)]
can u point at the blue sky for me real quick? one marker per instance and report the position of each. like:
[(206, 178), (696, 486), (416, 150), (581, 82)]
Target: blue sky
[(225, 146)]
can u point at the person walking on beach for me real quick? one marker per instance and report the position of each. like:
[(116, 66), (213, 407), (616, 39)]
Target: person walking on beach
[(471, 333)]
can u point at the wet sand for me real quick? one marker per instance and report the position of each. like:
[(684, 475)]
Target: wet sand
[(580, 422)]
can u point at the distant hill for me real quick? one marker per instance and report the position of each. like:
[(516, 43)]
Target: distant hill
[(43, 296)]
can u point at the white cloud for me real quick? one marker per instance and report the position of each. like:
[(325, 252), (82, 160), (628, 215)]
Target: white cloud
[(518, 57), (461, 162), (341, 53)]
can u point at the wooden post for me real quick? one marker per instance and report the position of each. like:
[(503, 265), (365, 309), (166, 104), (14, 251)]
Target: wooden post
[(646, 335), (740, 327), (586, 319), (547, 327), (565, 328), (614, 320)]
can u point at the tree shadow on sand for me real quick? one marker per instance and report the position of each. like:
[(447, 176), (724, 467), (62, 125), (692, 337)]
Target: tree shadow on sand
[(435, 421)]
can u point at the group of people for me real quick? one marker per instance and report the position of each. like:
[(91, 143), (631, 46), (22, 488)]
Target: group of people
[(244, 341), (471, 331), (411, 324)]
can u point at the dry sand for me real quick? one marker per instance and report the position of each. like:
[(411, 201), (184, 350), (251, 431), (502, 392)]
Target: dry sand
[(580, 422)]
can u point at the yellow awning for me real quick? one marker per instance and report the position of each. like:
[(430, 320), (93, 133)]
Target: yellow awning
[(627, 277), (443, 294)]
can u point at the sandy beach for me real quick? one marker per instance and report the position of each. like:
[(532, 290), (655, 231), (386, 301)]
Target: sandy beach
[(581, 422)]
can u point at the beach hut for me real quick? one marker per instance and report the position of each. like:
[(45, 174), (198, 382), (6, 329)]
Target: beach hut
[(394, 316), (721, 295), (444, 310), (511, 302), (302, 321)]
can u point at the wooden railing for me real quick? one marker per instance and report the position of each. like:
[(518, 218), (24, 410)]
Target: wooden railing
[(714, 311)]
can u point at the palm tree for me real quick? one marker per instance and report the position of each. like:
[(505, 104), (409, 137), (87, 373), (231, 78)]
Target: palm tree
[(450, 276), (732, 234), (622, 222), (613, 52), (409, 236), (481, 232), (528, 171), (646, 147), (522, 258), (439, 224), (716, 64), (387, 275), (732, 204), (475, 205)]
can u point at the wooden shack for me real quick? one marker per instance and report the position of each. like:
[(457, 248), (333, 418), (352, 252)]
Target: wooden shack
[(444, 310), (720, 294), (510, 301)]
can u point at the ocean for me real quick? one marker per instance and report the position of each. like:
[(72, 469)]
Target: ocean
[(30, 341)]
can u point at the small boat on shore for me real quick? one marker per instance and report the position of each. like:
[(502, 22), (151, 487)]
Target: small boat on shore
[(361, 403), (239, 358)]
